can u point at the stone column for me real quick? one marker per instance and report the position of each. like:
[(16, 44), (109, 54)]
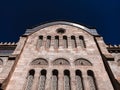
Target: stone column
[(78, 42), (44, 43), (52, 43), (85, 80), (69, 43), (48, 79), (60, 42), (73, 81), (60, 80), (36, 80)]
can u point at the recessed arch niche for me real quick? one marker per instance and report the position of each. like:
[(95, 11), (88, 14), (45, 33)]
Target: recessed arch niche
[(61, 61), (39, 61), (82, 62)]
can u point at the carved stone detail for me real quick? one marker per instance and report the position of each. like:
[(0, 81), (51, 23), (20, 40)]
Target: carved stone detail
[(39, 61), (82, 62), (60, 61)]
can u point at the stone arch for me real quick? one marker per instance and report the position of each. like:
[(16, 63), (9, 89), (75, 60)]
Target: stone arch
[(73, 41), (30, 78), (82, 62), (42, 80), (67, 80), (79, 80), (82, 41), (92, 80), (54, 80), (39, 61), (61, 61), (1, 61)]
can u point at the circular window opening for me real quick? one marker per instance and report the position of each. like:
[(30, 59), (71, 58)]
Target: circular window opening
[(60, 30)]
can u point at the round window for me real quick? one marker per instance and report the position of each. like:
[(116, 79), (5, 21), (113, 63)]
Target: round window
[(60, 30)]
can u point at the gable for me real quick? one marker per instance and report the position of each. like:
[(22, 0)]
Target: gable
[(90, 31)]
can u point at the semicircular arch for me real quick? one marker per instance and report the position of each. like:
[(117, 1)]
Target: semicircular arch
[(39, 61), (61, 61), (82, 62)]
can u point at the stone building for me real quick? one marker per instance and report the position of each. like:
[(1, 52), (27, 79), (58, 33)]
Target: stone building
[(60, 56)]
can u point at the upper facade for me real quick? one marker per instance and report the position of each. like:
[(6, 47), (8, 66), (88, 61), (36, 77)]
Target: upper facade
[(60, 56)]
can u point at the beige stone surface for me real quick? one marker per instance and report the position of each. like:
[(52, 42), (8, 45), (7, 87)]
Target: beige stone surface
[(29, 50)]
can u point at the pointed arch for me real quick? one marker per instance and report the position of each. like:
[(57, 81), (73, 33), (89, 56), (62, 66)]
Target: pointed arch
[(39, 61), (61, 61), (82, 62)]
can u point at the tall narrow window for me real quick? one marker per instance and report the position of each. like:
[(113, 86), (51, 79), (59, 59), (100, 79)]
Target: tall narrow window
[(1, 86), (79, 80), (73, 42), (118, 61), (40, 41), (82, 42), (91, 80), (30, 80), (1, 61), (48, 42), (65, 42), (67, 85), (54, 80), (56, 44), (42, 80)]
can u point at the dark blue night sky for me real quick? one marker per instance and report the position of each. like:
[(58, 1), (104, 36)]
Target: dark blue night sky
[(18, 15)]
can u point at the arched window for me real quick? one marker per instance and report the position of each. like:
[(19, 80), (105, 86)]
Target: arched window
[(61, 61), (1, 61), (91, 80), (48, 42), (82, 42), (1, 86), (73, 42), (79, 80), (42, 80), (40, 41), (54, 80), (30, 80), (56, 43), (82, 62), (65, 42), (39, 61), (67, 85), (118, 62)]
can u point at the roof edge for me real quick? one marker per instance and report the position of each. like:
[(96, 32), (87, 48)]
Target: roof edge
[(91, 31)]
